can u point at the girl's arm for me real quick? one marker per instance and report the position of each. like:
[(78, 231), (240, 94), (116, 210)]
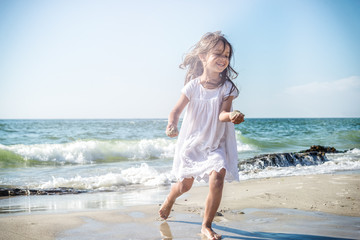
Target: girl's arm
[(175, 114), (224, 115)]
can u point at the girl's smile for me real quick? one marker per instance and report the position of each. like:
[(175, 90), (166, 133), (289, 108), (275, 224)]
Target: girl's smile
[(218, 59)]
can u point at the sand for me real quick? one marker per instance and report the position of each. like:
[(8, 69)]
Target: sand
[(300, 207)]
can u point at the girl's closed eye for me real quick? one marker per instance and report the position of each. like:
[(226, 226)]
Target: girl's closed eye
[(222, 55)]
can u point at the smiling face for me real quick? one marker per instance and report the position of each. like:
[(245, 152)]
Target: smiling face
[(217, 60)]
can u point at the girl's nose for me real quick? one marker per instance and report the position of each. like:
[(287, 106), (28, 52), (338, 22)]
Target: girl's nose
[(223, 58)]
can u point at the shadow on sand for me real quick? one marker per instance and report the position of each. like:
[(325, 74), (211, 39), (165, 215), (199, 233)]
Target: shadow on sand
[(232, 233)]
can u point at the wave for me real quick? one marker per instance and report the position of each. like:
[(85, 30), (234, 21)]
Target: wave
[(10, 159), (243, 144), (86, 152), (144, 175), (259, 144), (351, 136), (92, 151)]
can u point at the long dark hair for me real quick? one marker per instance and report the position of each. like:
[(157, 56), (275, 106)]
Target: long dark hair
[(194, 65)]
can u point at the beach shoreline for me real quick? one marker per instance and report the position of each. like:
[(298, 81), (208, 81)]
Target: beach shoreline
[(269, 201)]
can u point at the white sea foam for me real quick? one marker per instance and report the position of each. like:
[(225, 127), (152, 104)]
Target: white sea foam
[(243, 147), (89, 151), (142, 175), (147, 175), (115, 176)]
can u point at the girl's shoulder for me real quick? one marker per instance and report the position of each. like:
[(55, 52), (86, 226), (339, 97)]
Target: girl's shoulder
[(191, 87), (194, 81), (230, 89), (228, 84)]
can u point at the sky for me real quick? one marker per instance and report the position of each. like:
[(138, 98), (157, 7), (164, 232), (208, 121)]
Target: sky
[(120, 59)]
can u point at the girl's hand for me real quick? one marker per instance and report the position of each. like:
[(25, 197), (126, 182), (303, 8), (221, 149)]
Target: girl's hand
[(171, 131), (236, 117)]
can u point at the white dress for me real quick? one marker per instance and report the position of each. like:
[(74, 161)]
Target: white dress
[(205, 143)]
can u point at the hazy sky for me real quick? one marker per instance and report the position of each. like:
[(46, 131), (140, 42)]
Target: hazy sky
[(119, 59)]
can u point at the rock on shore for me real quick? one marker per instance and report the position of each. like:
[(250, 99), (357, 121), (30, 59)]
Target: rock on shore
[(315, 155)]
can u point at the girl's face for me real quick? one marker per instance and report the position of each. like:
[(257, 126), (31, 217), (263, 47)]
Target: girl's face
[(217, 60)]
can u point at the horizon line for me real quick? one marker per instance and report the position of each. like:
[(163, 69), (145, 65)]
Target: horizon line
[(163, 118)]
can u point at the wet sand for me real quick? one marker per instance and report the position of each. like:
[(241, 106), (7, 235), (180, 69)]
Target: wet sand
[(300, 207)]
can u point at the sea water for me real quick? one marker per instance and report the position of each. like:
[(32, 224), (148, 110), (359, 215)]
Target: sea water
[(118, 154)]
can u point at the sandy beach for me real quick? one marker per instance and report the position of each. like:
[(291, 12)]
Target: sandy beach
[(297, 207)]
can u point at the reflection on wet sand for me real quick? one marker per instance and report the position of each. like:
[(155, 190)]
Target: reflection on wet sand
[(165, 231)]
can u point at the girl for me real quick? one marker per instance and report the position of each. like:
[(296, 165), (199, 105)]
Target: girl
[(206, 148)]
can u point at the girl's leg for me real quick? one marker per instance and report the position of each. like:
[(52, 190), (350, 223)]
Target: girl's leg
[(176, 191), (216, 184)]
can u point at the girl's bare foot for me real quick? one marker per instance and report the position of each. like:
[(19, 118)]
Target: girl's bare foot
[(165, 209), (209, 233)]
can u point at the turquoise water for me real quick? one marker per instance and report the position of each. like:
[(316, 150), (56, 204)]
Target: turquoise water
[(284, 135), (113, 154)]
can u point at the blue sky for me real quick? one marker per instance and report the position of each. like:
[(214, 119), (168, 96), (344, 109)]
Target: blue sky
[(119, 59)]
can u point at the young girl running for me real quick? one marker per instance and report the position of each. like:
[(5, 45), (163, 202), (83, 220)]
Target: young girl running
[(206, 147)]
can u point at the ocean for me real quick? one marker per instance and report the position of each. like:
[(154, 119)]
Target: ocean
[(123, 156)]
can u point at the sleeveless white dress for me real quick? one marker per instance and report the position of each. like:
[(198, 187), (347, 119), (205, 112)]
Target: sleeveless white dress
[(205, 143)]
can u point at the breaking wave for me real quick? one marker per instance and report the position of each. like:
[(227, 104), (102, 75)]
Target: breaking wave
[(91, 151), (112, 181)]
